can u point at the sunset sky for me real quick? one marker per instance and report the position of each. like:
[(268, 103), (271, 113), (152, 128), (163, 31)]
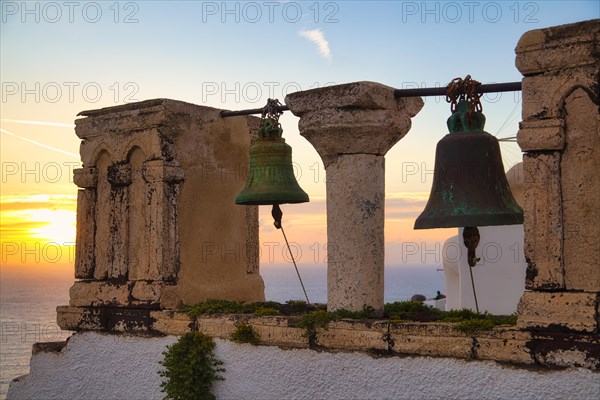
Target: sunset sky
[(58, 59)]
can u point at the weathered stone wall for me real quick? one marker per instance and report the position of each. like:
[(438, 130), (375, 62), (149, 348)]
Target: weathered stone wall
[(157, 224), (561, 139)]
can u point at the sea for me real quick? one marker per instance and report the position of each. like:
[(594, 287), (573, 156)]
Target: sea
[(28, 303)]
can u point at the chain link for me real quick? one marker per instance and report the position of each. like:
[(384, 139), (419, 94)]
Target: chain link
[(271, 110), (464, 89)]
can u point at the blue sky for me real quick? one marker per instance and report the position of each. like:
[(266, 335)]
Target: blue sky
[(234, 55)]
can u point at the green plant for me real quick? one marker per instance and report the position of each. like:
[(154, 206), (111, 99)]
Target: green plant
[(216, 307), (471, 326), (411, 310), (265, 311), (245, 334), (313, 320), (190, 368)]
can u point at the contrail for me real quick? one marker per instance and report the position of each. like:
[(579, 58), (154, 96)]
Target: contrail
[(44, 123), (40, 144)]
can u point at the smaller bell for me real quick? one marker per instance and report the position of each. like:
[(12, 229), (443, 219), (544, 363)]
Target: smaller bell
[(271, 177)]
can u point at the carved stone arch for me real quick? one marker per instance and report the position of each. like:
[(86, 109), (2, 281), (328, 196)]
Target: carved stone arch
[(565, 90), (91, 160), (580, 183), (140, 140)]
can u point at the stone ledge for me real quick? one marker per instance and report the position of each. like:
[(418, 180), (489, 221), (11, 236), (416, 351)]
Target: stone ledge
[(541, 135), (504, 344), (558, 311)]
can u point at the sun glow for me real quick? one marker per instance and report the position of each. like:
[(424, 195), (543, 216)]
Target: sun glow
[(59, 225), (37, 230)]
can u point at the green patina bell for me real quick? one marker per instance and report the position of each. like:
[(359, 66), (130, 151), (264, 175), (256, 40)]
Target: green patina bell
[(271, 177), (469, 184)]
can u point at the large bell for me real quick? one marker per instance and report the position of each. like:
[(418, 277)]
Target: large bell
[(469, 184), (271, 178)]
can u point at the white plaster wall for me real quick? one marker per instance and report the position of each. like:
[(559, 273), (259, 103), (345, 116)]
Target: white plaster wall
[(97, 366), (499, 275)]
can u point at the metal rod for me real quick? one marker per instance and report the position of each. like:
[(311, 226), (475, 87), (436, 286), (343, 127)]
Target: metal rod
[(420, 92), (441, 91), (226, 114)]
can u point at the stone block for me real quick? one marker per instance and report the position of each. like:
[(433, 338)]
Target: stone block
[(171, 322), (434, 346), (555, 349), (353, 335), (145, 293), (566, 311), (559, 47), (85, 177), (76, 318), (104, 319), (508, 345), (543, 221), (159, 171), (541, 135), (355, 95), (99, 294)]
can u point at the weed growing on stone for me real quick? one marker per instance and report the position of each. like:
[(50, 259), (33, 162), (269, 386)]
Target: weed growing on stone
[(245, 334)]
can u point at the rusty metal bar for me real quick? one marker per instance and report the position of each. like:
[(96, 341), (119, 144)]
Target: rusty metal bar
[(441, 91), (420, 92)]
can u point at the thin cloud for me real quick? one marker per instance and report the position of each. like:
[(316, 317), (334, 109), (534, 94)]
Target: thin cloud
[(317, 37), (39, 144)]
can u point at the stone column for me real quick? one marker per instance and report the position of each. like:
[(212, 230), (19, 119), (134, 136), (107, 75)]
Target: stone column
[(85, 261), (560, 137), (352, 126)]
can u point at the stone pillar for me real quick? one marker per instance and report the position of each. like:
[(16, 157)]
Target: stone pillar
[(561, 140), (352, 126)]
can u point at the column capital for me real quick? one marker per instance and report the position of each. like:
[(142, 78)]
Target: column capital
[(86, 177), (353, 118), (161, 171)]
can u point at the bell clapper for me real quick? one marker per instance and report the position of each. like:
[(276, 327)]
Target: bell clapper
[(471, 240), (277, 215)]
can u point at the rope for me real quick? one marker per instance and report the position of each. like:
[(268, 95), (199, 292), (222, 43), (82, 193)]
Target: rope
[(277, 214), (473, 286)]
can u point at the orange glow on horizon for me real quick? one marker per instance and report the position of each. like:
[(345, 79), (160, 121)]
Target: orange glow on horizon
[(39, 231)]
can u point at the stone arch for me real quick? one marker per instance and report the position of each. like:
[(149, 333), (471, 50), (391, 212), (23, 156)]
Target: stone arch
[(100, 149), (580, 183), (565, 90), (139, 140)]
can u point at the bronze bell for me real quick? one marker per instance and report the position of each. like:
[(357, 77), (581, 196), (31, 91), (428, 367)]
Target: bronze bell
[(271, 178), (469, 184)]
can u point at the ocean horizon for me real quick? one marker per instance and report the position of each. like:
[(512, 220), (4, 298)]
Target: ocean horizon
[(28, 303)]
